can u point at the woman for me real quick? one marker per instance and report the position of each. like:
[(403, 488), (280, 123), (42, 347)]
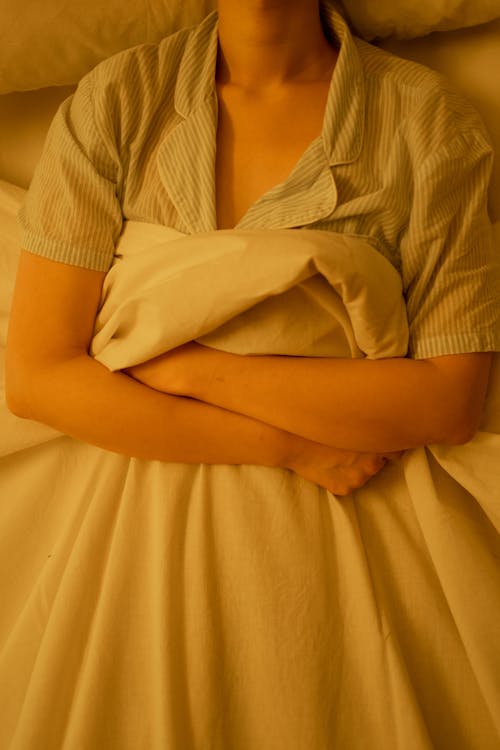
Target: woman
[(273, 77), (267, 115)]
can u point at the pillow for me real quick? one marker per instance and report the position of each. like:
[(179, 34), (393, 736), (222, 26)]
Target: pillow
[(405, 19), (56, 42), (56, 46)]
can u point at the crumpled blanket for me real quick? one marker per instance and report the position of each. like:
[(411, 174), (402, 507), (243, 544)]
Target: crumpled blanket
[(150, 605), (248, 292)]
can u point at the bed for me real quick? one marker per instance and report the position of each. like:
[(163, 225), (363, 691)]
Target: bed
[(144, 605)]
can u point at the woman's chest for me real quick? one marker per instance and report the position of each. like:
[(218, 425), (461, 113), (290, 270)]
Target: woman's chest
[(205, 171), (259, 142)]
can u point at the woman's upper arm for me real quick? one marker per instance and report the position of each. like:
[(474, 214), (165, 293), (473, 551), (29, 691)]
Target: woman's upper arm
[(449, 262), (52, 317)]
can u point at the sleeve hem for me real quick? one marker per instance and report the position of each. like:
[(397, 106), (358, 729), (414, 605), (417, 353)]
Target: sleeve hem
[(52, 249), (465, 343)]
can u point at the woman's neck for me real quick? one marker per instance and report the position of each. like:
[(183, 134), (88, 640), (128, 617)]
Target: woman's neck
[(268, 43)]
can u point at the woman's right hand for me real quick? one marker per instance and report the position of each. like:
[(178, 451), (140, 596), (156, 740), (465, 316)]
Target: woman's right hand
[(336, 470)]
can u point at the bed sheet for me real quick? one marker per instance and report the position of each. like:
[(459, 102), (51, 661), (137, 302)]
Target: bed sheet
[(149, 605)]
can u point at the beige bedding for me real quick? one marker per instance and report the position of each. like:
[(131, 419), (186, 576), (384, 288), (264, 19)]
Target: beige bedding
[(149, 605)]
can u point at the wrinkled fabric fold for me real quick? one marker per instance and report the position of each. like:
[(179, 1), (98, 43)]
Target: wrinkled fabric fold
[(250, 292)]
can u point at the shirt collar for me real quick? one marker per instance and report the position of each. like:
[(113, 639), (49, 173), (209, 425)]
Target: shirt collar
[(187, 161), (343, 123)]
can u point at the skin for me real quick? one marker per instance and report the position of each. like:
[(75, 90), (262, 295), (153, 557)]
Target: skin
[(380, 406), (273, 76), (273, 59)]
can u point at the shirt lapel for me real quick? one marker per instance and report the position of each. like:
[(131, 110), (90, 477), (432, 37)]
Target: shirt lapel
[(186, 157), (310, 193), (186, 163)]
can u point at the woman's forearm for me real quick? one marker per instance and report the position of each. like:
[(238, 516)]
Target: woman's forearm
[(361, 405), (82, 398)]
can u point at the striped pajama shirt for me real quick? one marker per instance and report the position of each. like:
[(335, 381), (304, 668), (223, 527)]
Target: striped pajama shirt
[(402, 161)]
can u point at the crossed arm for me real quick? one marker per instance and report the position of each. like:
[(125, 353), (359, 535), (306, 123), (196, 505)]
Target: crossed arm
[(373, 406), (362, 405)]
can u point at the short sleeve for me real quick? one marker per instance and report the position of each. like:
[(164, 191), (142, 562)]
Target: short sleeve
[(450, 265), (72, 213)]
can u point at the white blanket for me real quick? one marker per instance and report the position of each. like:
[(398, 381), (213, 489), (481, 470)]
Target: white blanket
[(250, 292), (149, 605)]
